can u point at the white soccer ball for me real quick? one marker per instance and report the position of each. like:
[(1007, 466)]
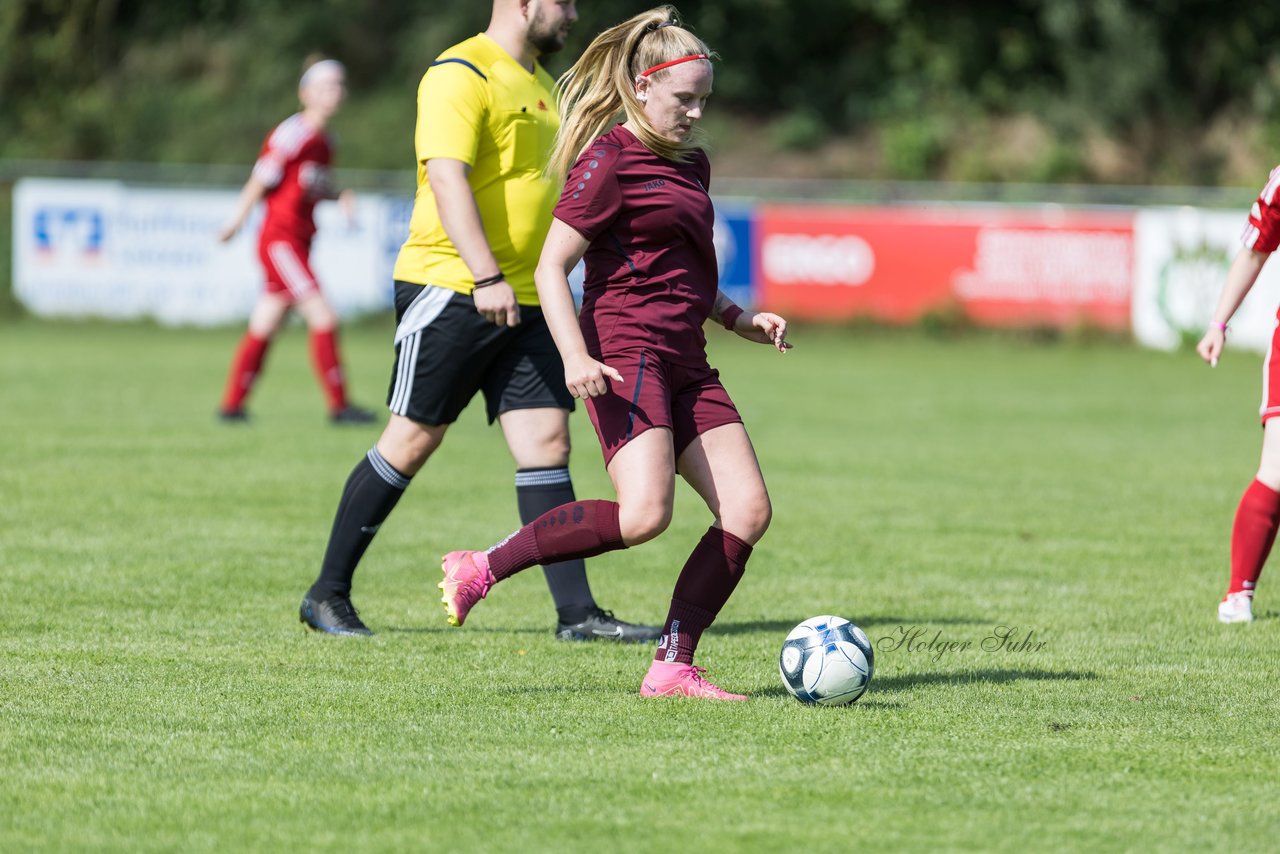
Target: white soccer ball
[(826, 660)]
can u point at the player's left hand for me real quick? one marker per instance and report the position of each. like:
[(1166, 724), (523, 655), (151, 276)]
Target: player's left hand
[(497, 304), (1210, 346), (764, 328)]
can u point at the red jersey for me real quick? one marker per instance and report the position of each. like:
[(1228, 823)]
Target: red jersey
[(1262, 234), (294, 167), (651, 276)]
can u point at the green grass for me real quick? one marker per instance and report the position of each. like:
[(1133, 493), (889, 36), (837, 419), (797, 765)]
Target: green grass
[(157, 692)]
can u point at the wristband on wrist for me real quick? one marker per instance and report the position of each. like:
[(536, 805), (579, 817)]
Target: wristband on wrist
[(1219, 325), (492, 280), (730, 316)]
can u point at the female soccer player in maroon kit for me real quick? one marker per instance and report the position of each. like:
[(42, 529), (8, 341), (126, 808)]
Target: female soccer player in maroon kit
[(292, 174), (635, 205), (1258, 515)]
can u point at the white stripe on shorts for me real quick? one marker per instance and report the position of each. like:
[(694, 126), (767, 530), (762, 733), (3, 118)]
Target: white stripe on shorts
[(293, 271), (425, 308), (405, 366)]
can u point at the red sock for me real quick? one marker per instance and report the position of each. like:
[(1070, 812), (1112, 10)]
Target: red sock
[(245, 367), (579, 529), (707, 581), (328, 367), (1254, 532)]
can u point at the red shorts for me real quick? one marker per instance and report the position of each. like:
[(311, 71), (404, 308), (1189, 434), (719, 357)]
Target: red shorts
[(288, 268), (688, 401), (1271, 378)]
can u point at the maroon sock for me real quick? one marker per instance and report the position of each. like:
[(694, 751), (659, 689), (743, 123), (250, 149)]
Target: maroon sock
[(579, 529), (1252, 535), (328, 368), (705, 584), (245, 367)]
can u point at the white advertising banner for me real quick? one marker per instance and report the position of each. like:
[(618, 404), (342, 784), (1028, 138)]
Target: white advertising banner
[(1183, 256), (106, 249)]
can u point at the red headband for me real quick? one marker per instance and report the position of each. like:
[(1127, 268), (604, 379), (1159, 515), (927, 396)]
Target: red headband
[(689, 58)]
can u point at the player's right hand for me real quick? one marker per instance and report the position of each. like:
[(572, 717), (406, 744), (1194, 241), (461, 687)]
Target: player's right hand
[(497, 304), (1210, 346), (228, 231), (585, 377)]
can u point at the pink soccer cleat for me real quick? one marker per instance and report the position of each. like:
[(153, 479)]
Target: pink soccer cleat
[(467, 580), (673, 679)]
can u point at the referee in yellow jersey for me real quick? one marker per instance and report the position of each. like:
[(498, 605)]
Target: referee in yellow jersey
[(467, 316)]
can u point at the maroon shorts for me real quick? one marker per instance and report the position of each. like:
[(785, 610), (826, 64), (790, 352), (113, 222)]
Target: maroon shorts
[(287, 266), (688, 401)]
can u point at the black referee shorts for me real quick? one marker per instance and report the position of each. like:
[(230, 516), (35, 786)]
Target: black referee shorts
[(446, 352)]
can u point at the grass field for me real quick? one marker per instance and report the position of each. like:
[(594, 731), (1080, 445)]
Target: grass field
[(158, 693)]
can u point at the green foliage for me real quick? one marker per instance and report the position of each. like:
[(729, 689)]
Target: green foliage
[(801, 130), (160, 695), (203, 80), (912, 147)]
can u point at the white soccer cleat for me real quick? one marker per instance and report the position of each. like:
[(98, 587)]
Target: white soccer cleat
[(1236, 608)]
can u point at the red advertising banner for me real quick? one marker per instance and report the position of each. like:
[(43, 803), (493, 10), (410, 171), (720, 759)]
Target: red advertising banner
[(1001, 266)]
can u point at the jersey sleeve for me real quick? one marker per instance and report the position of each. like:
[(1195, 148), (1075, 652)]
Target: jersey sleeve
[(1262, 233), (270, 165), (592, 196), (453, 104)]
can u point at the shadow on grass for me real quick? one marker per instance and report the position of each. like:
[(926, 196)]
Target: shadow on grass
[(962, 677), (785, 626), (861, 703), (743, 628), (881, 684), (446, 630)]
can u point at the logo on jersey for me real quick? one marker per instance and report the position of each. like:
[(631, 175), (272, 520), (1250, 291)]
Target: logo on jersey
[(316, 180), (542, 105), (656, 184)]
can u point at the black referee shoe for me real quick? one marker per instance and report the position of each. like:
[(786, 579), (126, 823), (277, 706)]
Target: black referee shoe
[(602, 625), (352, 414), (335, 615)]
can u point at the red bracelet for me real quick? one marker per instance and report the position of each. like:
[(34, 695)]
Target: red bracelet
[(1220, 325)]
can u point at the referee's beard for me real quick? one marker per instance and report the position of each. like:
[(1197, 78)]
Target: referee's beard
[(545, 38)]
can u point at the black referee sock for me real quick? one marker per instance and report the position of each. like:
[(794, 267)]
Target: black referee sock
[(540, 490), (372, 491)]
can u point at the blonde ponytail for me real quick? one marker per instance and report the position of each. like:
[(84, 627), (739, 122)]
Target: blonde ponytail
[(600, 87)]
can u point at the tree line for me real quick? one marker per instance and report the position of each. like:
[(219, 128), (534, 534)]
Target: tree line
[(202, 80)]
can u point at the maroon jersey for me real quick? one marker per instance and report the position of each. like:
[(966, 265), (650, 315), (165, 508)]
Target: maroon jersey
[(651, 275), (294, 167)]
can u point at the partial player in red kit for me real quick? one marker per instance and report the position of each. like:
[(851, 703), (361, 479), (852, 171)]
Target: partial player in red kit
[(292, 174), (1258, 515), (635, 205)]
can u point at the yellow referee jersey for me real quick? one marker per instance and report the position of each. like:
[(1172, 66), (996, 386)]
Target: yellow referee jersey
[(478, 105)]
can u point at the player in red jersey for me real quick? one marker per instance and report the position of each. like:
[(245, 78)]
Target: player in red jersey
[(635, 205), (292, 174), (1258, 515)]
